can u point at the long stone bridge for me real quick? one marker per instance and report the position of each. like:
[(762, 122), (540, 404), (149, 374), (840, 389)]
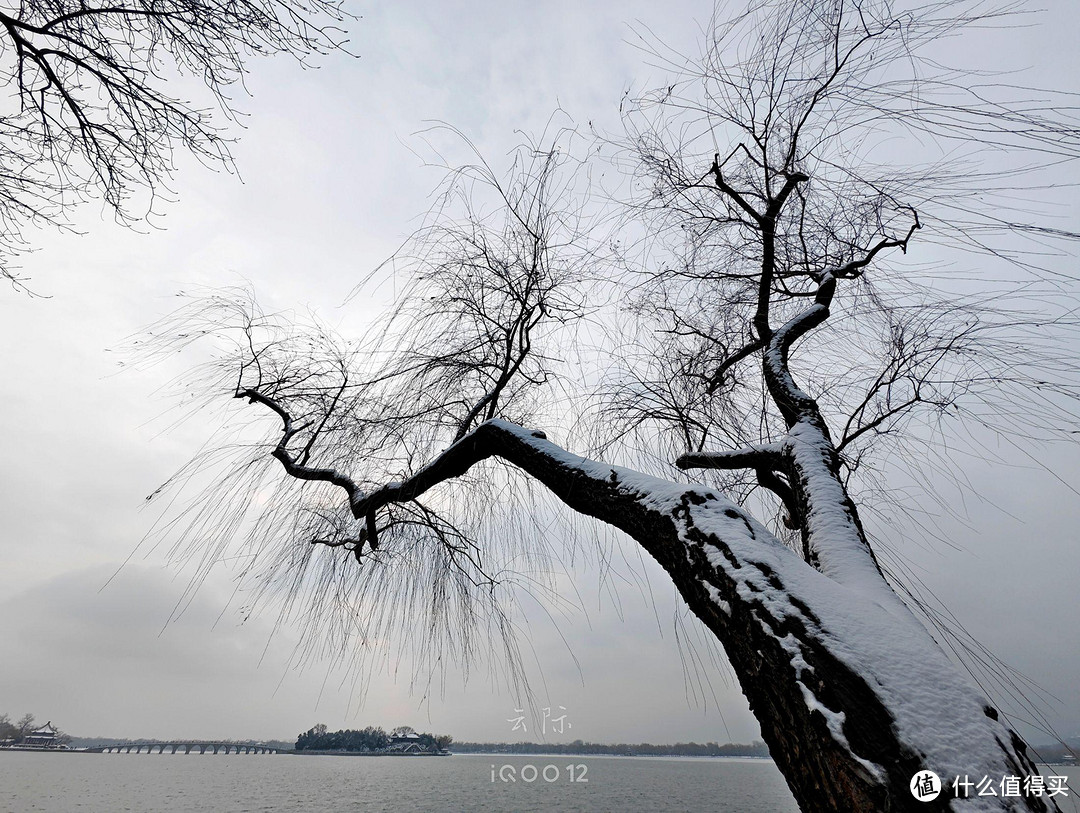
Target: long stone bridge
[(185, 747)]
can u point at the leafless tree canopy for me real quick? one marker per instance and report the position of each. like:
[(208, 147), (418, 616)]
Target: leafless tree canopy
[(766, 307), (771, 182), (89, 112), (488, 286)]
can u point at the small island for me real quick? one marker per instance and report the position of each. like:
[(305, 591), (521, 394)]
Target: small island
[(372, 741)]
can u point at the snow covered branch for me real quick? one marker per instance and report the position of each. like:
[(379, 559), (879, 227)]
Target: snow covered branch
[(754, 457), (292, 467)]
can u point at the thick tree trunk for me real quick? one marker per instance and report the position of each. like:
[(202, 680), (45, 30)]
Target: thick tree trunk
[(854, 697), (841, 731)]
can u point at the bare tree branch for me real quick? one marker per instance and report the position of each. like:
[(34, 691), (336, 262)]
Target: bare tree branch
[(94, 117), (281, 453), (767, 455)]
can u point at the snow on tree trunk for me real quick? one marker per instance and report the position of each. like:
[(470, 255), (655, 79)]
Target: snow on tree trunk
[(854, 697)]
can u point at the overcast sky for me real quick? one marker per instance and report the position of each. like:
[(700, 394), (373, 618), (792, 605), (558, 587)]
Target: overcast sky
[(331, 183)]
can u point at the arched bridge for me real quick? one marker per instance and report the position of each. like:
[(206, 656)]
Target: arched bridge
[(185, 747)]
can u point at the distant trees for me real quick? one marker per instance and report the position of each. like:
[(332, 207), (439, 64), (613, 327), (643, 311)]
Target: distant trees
[(25, 725), (371, 738), (687, 749), (16, 731), (88, 114), (319, 739), (8, 730)]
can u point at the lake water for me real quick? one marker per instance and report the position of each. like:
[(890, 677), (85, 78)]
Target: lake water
[(160, 783), (141, 783)]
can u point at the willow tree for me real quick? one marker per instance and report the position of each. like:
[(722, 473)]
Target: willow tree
[(777, 331)]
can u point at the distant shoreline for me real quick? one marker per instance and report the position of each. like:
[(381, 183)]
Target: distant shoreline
[(38, 750), (314, 753), (591, 754)]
